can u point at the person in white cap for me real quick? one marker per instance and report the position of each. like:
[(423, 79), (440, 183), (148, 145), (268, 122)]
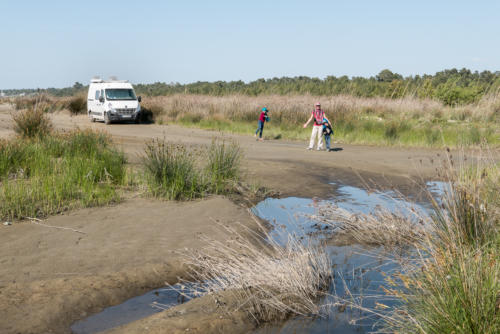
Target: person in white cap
[(317, 133)]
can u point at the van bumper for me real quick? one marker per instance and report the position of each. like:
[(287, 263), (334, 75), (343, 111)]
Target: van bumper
[(124, 118)]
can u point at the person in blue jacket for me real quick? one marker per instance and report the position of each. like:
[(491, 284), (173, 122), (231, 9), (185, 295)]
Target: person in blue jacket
[(327, 132)]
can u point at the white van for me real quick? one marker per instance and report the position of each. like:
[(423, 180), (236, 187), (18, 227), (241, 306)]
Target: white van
[(112, 100)]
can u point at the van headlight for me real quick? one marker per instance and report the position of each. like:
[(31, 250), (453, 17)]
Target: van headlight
[(138, 109)]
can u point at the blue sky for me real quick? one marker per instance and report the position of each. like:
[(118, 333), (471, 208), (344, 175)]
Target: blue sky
[(55, 43)]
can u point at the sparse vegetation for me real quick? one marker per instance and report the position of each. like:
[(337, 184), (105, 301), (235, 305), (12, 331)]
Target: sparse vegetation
[(51, 174)]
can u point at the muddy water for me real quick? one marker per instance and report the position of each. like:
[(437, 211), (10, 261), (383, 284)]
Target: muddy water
[(359, 271), (133, 309)]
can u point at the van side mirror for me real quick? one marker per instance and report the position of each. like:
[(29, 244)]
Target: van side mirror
[(139, 99), (101, 99)]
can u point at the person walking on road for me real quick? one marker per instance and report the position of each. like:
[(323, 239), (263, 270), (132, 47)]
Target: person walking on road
[(317, 133), (262, 119)]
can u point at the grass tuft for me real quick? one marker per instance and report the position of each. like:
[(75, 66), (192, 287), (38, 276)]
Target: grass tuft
[(174, 171), (223, 165), (170, 170), (269, 281)]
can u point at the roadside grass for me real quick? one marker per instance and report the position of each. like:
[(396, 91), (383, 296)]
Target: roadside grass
[(47, 103), (177, 172), (393, 122), (51, 174)]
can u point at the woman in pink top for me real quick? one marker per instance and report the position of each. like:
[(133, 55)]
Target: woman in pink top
[(317, 133), (262, 119)]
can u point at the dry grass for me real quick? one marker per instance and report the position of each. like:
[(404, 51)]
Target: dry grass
[(382, 227), (407, 121), (32, 122), (270, 281), (451, 281), (295, 109)]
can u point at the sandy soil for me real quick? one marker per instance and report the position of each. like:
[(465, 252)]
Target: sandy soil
[(51, 277)]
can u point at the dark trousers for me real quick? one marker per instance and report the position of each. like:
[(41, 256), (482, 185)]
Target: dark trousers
[(327, 141), (260, 128)]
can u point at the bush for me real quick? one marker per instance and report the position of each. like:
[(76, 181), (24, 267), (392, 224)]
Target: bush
[(151, 113), (171, 171), (32, 123), (77, 105)]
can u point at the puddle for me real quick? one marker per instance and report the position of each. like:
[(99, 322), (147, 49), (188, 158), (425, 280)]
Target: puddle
[(133, 309), (360, 269)]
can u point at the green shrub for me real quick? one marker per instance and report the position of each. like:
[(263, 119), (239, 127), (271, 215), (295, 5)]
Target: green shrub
[(77, 105), (392, 131), (171, 171), (223, 164), (30, 123), (431, 135)]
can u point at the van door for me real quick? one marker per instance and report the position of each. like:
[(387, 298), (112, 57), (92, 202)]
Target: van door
[(91, 101), (99, 106)]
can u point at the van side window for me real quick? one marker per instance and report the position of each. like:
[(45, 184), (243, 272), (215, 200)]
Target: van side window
[(102, 92), (97, 95)]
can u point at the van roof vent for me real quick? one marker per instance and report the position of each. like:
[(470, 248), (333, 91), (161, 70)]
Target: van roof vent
[(96, 79)]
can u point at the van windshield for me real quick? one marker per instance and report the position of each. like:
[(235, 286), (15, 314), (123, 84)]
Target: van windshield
[(120, 94)]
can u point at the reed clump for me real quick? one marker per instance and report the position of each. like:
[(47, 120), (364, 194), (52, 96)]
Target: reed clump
[(176, 171), (451, 284), (381, 227), (269, 281)]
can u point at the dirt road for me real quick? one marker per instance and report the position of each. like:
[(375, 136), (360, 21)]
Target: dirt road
[(50, 277), (282, 165)]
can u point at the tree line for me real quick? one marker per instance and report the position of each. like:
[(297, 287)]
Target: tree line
[(451, 86)]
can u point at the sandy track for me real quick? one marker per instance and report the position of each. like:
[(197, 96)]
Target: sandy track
[(50, 278)]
